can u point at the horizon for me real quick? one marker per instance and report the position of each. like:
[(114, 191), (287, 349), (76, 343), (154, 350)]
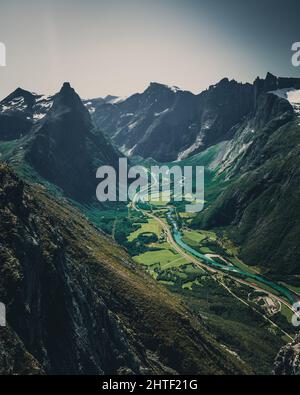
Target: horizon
[(143, 90)]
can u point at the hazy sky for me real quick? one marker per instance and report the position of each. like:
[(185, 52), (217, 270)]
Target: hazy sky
[(118, 46)]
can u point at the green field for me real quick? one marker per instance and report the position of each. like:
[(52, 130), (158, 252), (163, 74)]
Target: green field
[(152, 226), (247, 268), (286, 312), (164, 258), (203, 241), (197, 237)]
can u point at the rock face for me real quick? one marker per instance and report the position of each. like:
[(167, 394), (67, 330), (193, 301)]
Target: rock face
[(166, 123), (288, 359), (20, 111), (65, 150), (76, 303), (260, 204), (57, 139)]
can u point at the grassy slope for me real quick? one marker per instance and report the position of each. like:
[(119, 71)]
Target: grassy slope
[(157, 320)]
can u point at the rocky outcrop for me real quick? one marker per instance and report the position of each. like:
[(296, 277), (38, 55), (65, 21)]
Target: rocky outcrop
[(260, 204), (65, 150), (166, 123), (77, 304), (52, 139), (19, 111), (288, 359)]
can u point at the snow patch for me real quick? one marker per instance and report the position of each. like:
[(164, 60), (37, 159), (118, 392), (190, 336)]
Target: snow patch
[(127, 151), (128, 114), (291, 95), (132, 125), (157, 114), (174, 89), (117, 100), (38, 116)]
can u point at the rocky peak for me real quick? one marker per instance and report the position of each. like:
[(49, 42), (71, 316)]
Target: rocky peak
[(272, 83), (288, 359), (29, 98), (156, 88), (68, 99), (64, 143)]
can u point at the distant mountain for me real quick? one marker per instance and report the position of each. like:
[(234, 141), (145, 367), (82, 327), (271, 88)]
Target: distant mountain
[(255, 127), (166, 123), (59, 142), (260, 205), (77, 304), (19, 111)]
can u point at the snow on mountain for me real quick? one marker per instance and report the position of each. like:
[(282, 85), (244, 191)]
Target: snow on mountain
[(28, 104), (291, 95), (115, 99)]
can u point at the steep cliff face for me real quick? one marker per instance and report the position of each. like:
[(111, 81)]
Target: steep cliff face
[(65, 150), (77, 304), (260, 205), (288, 359), (52, 139), (166, 123), (150, 124), (19, 111)]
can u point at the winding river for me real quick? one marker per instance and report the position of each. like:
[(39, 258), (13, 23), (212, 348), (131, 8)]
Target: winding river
[(177, 235)]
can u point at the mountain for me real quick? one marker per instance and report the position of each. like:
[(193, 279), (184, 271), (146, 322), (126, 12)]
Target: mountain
[(166, 123), (259, 206), (60, 144), (19, 111), (77, 304)]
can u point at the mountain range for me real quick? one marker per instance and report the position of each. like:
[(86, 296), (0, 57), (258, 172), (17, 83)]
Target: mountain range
[(260, 167), (54, 263), (254, 128), (56, 138), (166, 123)]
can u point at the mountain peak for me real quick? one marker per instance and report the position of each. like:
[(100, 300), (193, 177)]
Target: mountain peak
[(224, 80), (270, 76), (154, 86), (67, 97), (29, 97), (66, 85), (66, 88), (20, 91)]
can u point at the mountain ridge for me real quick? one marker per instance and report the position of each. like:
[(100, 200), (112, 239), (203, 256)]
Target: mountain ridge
[(168, 123), (61, 146), (77, 304), (260, 204)]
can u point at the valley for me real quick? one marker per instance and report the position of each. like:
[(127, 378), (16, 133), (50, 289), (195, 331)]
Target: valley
[(220, 265), (273, 302), (210, 292)]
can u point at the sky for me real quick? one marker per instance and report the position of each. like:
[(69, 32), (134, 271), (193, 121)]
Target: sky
[(119, 46)]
